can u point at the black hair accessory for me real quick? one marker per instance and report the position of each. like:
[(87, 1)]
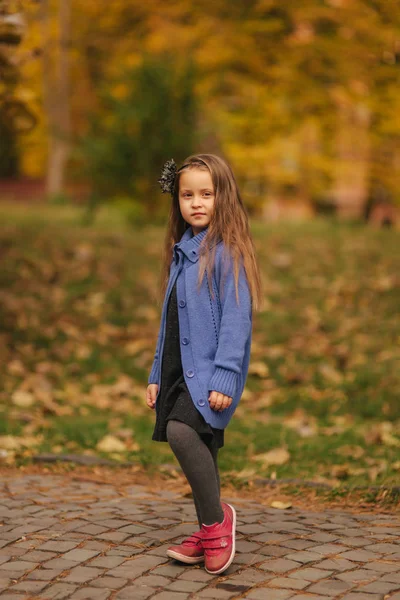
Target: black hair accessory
[(167, 178)]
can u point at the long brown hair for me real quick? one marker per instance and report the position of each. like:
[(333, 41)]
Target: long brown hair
[(229, 223)]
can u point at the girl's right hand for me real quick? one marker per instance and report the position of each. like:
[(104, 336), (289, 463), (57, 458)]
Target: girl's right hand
[(151, 394)]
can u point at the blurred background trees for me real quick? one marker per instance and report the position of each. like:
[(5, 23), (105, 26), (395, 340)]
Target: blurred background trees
[(302, 98)]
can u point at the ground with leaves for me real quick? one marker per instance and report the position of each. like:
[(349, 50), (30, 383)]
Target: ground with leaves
[(79, 325)]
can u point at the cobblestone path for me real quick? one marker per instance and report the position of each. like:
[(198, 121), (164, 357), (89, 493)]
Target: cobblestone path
[(61, 538)]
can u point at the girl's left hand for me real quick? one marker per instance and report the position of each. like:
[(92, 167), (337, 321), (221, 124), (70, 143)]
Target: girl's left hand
[(219, 401)]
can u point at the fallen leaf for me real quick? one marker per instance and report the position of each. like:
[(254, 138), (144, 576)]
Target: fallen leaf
[(22, 399), (110, 443), (281, 505), (259, 368), (276, 456)]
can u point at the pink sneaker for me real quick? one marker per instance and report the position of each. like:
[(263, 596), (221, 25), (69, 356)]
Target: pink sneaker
[(218, 541), (190, 551)]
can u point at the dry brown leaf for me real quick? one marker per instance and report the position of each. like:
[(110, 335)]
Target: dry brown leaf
[(351, 451), (22, 398), (245, 474), (258, 368), (16, 367), (330, 373), (276, 456), (110, 443), (281, 505)]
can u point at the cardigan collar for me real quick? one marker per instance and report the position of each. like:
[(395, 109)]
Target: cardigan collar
[(189, 244)]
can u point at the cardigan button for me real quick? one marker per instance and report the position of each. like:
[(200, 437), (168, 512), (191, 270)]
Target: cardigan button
[(201, 402), (182, 303), (185, 341), (190, 373)]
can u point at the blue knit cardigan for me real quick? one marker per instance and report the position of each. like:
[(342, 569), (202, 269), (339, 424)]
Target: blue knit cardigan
[(215, 333)]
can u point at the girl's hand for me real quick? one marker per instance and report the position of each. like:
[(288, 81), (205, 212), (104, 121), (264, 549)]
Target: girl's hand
[(219, 401), (151, 394)]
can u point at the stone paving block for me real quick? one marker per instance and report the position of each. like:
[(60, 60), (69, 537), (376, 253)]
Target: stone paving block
[(58, 591), (383, 548), (91, 593), (29, 586), (108, 562), (151, 580), (360, 596), (357, 541), (322, 537), (38, 555), (392, 577), (304, 557), (297, 544), (133, 592), (379, 587), (96, 545), (288, 583), (13, 551), (245, 546), (213, 593), (91, 529), (112, 523), (135, 568), (271, 537), (160, 550), (336, 564), (59, 563), (250, 528), (58, 546), (196, 574), (44, 574), (113, 583), (82, 574), (326, 549), (170, 570), (351, 532), (358, 575), (80, 554), (280, 565), (275, 551), (113, 536), (9, 596), (182, 585), (307, 596), (360, 555), (268, 594), (310, 574), (249, 577), (385, 567), (248, 559), (331, 587), (18, 565)]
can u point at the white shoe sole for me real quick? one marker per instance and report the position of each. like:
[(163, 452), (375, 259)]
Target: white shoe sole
[(189, 560), (232, 556)]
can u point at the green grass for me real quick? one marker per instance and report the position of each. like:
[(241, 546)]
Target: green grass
[(79, 321)]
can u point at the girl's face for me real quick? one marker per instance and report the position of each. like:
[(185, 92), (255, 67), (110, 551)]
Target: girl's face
[(196, 198)]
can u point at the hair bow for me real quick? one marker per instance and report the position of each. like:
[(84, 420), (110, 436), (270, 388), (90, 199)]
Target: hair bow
[(167, 178)]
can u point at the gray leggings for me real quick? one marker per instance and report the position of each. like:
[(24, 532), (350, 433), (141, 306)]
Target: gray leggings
[(199, 465)]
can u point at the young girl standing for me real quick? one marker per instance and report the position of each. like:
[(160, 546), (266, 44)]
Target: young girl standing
[(211, 285)]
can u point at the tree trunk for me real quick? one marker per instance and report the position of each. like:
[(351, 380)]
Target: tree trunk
[(350, 191), (56, 94)]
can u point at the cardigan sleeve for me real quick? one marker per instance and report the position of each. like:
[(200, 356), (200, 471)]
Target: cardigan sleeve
[(235, 328)]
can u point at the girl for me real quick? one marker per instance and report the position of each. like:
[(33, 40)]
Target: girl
[(211, 283)]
